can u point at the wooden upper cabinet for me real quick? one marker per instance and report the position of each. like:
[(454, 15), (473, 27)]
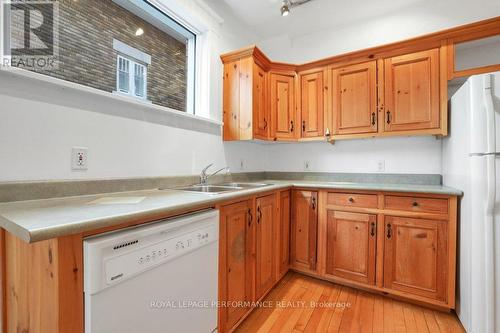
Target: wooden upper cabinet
[(283, 119), (236, 272), (416, 256), (351, 241), (354, 99), (304, 230), (261, 114), (312, 103), (245, 101), (283, 244), (412, 91), (265, 273)]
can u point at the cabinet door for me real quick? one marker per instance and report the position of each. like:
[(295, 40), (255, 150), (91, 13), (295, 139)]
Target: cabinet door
[(282, 106), (312, 106), (231, 101), (261, 121), (265, 242), (415, 259), (354, 98), (284, 234), (304, 230), (236, 273), (351, 241), (412, 91)]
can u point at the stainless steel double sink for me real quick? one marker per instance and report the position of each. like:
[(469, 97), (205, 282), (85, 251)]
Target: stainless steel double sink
[(220, 188)]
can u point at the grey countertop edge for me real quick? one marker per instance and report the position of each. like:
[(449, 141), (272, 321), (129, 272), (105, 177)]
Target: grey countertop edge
[(36, 235)]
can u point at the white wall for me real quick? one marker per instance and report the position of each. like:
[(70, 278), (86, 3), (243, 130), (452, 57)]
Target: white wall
[(400, 155), (422, 18), (36, 136)]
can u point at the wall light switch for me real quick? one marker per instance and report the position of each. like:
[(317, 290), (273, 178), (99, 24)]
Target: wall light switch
[(79, 157)]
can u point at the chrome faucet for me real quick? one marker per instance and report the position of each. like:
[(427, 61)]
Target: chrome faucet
[(204, 177)]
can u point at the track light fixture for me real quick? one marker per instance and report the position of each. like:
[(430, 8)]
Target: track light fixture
[(286, 5)]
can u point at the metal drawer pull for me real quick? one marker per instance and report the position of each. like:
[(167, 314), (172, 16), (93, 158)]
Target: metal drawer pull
[(250, 217), (372, 232), (351, 199)]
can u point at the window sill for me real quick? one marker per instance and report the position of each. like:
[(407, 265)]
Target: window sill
[(25, 84), (132, 98)]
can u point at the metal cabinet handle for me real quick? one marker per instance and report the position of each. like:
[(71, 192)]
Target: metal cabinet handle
[(259, 214), (373, 118), (265, 123), (389, 230), (388, 117), (372, 231), (313, 203), (415, 204), (351, 199), (303, 125), (291, 126), (250, 217)]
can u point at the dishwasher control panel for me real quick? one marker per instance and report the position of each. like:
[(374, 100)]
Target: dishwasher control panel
[(120, 267)]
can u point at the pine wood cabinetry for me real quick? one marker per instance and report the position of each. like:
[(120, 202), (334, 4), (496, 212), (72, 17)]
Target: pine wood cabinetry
[(304, 230), (283, 119), (351, 240), (236, 273), (245, 101), (283, 242), (265, 272), (312, 103), (412, 91), (415, 259), (354, 99)]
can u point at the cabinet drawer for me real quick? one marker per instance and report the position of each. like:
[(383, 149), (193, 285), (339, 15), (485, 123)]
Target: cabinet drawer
[(353, 200), (416, 204)]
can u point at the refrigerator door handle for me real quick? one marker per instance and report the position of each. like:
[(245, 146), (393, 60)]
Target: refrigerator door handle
[(496, 154), (489, 236)]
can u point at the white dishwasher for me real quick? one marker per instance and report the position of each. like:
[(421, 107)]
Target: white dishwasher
[(157, 278)]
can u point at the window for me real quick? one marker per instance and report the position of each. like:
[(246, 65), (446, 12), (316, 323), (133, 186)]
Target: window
[(131, 78), (139, 50)]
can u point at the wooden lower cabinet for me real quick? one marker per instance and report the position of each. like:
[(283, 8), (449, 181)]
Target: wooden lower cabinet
[(304, 230), (236, 274), (265, 273), (351, 246), (283, 242), (416, 256)]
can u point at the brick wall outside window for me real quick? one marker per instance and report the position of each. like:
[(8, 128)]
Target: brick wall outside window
[(86, 55)]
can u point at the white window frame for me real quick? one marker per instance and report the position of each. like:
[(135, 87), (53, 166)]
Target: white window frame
[(131, 78)]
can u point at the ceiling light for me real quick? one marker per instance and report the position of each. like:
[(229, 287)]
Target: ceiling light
[(284, 9), (289, 4), (139, 32)]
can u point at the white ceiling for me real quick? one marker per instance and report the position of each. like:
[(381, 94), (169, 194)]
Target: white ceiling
[(264, 18)]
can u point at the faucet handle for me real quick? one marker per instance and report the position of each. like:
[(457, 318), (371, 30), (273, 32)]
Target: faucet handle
[(206, 168)]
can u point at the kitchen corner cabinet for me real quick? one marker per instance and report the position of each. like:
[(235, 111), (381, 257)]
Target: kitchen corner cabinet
[(283, 241), (312, 103), (351, 246), (245, 101), (236, 272), (354, 99), (283, 115), (304, 230), (412, 91), (265, 271)]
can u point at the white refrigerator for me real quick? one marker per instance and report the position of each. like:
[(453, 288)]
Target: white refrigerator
[(470, 163)]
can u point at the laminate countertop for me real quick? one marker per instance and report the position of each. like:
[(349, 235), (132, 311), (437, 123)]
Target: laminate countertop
[(37, 220)]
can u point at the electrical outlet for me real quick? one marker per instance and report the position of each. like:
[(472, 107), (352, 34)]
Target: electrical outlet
[(242, 164), (381, 166), (307, 165), (79, 157)]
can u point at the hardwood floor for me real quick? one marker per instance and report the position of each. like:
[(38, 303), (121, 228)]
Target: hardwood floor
[(345, 309)]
